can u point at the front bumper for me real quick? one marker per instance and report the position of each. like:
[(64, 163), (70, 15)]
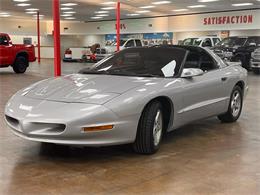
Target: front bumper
[(62, 123), (255, 64)]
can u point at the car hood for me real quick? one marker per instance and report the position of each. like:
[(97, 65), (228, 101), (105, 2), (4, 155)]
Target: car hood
[(79, 88)]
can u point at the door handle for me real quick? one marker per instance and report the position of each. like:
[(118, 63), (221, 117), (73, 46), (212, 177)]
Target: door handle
[(224, 79)]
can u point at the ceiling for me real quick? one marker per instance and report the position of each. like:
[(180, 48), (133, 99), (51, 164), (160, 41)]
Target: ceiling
[(85, 9)]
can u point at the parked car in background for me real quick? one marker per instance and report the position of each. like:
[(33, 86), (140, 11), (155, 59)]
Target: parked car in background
[(255, 61), (16, 55), (207, 41), (133, 97), (238, 49), (101, 53)]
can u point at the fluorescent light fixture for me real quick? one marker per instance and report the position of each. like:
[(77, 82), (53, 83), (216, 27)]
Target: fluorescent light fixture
[(102, 15), (66, 15), (196, 6), (69, 4), (147, 7), (23, 4), (108, 8), (108, 3), (66, 8), (143, 11), (101, 12), (5, 15), (180, 10), (70, 18), (32, 9), (133, 14), (242, 4), (69, 12), (207, 1), (21, 1), (31, 12), (160, 2), (96, 17)]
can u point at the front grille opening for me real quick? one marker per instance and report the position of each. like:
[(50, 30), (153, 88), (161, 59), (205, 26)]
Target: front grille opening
[(12, 121), (46, 128)]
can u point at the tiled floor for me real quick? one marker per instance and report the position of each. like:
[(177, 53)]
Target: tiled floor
[(206, 157)]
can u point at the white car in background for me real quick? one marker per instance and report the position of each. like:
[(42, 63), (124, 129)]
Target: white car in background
[(207, 41), (124, 43)]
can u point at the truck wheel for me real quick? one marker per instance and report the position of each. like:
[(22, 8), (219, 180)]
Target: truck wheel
[(150, 129), (256, 70), (235, 106), (20, 65)]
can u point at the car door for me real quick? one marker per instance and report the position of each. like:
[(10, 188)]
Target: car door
[(5, 51), (203, 96)]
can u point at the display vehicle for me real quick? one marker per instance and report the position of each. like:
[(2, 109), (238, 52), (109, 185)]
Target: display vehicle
[(132, 97), (207, 41), (16, 55), (255, 61)]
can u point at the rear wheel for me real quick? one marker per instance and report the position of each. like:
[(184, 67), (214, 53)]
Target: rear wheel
[(150, 129), (20, 65), (235, 106)]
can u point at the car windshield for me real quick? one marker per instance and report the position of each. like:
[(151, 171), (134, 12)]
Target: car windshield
[(144, 62), (232, 41), (122, 42), (192, 41)]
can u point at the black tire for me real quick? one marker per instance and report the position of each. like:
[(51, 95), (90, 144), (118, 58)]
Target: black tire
[(229, 116), (145, 142), (20, 65), (256, 70)]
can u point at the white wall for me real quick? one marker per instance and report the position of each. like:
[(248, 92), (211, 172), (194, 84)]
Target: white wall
[(245, 32)]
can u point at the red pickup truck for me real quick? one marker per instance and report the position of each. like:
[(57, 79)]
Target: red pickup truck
[(16, 55)]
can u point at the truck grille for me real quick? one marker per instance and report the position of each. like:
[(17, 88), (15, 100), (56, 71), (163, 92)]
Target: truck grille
[(101, 51)]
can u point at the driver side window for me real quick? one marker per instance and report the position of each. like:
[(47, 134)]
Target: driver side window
[(3, 40), (201, 60)]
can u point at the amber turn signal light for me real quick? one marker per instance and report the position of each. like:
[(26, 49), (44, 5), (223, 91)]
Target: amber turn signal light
[(98, 128)]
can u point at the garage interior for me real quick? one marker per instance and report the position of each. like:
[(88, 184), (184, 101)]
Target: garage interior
[(205, 157)]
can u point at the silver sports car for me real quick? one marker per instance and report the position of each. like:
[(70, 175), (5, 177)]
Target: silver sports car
[(133, 96)]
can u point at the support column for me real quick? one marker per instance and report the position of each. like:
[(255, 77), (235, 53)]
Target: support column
[(38, 37), (118, 27), (56, 36)]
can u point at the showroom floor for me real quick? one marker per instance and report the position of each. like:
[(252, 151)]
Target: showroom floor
[(206, 157)]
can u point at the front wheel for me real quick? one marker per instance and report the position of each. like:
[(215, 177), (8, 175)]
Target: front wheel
[(235, 106), (150, 129)]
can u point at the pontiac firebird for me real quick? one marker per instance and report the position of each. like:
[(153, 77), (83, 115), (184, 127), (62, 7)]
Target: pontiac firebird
[(131, 97)]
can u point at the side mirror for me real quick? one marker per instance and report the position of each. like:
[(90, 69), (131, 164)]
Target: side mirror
[(191, 72)]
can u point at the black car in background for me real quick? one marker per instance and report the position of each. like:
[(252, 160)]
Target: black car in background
[(238, 49)]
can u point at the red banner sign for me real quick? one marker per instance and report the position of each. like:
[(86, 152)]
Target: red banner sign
[(244, 19)]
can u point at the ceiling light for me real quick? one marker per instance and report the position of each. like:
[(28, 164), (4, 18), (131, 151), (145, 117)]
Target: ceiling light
[(96, 17), (180, 10), (69, 4), (161, 2), (66, 8), (143, 11), (70, 12), (101, 12), (242, 4), (31, 12), (147, 7), (108, 3), (133, 14), (196, 6), (108, 8), (32, 9), (102, 15), (207, 1), (66, 15), (21, 1), (23, 4), (70, 18), (5, 15)]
